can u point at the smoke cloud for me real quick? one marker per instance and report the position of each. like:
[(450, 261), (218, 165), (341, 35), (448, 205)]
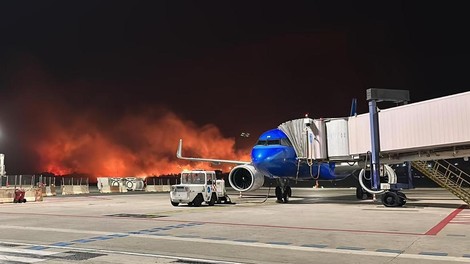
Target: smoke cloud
[(66, 129)]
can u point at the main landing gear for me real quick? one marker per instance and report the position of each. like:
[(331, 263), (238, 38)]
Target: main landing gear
[(283, 191)]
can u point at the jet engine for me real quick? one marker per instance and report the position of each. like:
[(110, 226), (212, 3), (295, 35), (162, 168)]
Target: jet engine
[(245, 178)]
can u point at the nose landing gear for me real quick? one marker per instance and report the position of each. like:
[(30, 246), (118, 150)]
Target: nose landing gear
[(283, 191)]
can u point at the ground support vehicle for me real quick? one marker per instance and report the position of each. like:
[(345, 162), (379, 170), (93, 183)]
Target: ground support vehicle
[(197, 187)]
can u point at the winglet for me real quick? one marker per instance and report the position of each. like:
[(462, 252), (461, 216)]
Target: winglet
[(178, 151)]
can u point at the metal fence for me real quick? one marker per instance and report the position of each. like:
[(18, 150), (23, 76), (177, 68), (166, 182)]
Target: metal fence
[(74, 181), (162, 180), (26, 180)]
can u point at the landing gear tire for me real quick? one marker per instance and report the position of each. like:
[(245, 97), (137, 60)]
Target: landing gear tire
[(285, 196), (174, 203), (391, 199), (279, 194), (289, 191)]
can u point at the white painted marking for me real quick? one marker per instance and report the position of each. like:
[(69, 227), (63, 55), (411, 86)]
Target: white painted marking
[(9, 259), (251, 244), (63, 230), (92, 250), (26, 251)]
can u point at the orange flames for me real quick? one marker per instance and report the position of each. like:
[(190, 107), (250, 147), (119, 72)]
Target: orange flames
[(64, 130), (134, 146)]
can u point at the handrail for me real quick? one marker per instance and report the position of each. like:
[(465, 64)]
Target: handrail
[(443, 175)]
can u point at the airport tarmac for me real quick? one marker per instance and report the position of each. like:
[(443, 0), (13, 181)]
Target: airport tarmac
[(316, 226)]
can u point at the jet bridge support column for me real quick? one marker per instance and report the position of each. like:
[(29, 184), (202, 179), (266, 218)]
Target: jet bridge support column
[(373, 96), (375, 145)]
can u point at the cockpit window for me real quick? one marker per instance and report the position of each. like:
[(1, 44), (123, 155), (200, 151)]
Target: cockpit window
[(286, 142), (283, 142), (274, 142)]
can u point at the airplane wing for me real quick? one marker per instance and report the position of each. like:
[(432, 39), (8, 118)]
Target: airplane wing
[(214, 161)]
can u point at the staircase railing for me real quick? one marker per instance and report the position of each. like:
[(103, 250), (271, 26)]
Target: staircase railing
[(446, 175)]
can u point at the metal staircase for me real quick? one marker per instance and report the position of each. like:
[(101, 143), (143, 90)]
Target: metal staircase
[(446, 175)]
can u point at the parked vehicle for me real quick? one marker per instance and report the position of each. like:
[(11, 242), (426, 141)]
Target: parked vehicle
[(198, 187)]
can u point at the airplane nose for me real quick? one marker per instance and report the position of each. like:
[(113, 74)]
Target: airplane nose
[(260, 156)]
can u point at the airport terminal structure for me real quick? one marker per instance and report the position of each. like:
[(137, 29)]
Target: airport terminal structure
[(424, 133)]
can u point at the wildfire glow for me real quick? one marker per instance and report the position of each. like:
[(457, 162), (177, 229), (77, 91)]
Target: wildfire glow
[(149, 148), (63, 134)]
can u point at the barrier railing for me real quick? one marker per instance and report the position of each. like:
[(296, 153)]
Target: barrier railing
[(74, 185), (160, 184), (21, 188)]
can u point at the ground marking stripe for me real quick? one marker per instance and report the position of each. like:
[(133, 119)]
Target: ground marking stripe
[(231, 242), (56, 230), (19, 259), (26, 251), (283, 247), (437, 228), (120, 252)]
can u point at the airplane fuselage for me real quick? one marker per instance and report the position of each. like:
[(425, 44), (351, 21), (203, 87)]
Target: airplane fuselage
[(275, 157)]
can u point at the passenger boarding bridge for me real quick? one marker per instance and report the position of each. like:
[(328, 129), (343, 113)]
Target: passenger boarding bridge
[(424, 133)]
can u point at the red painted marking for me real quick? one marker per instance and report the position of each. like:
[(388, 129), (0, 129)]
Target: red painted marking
[(437, 228)]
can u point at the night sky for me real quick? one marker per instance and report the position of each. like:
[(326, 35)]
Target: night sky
[(108, 87)]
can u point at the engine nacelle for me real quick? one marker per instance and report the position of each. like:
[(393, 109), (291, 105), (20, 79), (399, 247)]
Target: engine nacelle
[(245, 178)]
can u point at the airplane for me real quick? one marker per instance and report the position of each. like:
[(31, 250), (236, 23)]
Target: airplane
[(320, 149), (273, 156)]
